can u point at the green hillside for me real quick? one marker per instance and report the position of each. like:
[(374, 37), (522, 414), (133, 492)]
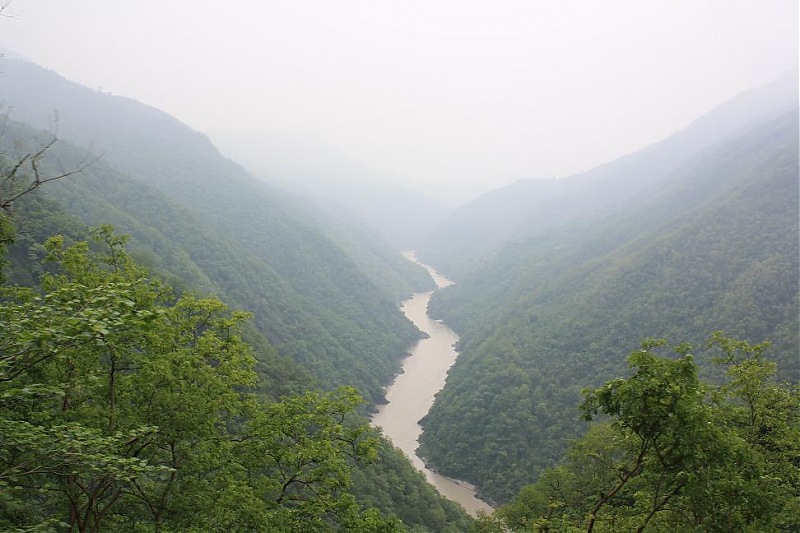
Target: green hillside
[(670, 451), (533, 209), (197, 259), (135, 395), (127, 406), (713, 248), (322, 294)]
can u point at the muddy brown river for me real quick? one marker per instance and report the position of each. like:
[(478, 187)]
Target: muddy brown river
[(411, 395)]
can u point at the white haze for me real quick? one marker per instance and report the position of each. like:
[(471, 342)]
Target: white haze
[(454, 96)]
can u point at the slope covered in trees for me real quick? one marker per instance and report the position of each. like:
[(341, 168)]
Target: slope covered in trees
[(157, 149), (332, 341), (325, 297), (126, 408), (533, 209), (715, 246), (675, 453), (129, 405)]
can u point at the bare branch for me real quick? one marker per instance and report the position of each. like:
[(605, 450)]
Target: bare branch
[(31, 164)]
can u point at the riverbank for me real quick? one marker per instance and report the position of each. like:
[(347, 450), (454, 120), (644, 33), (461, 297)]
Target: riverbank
[(411, 394)]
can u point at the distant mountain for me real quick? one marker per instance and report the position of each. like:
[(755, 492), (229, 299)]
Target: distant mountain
[(531, 208), (259, 248), (336, 183), (710, 244)]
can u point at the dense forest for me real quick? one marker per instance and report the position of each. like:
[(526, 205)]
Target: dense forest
[(674, 453), (184, 347), (128, 407), (322, 294), (284, 380), (711, 246)]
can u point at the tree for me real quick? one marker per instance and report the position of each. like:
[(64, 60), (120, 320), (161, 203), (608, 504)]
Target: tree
[(123, 408), (300, 448), (660, 410), (57, 379), (675, 453), (765, 416)]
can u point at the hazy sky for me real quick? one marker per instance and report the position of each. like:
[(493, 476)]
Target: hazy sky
[(457, 96)]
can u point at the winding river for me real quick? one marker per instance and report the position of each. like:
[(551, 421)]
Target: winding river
[(411, 394)]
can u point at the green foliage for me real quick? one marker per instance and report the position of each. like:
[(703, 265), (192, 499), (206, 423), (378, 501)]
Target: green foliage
[(325, 295), (309, 296), (395, 486), (36, 216), (676, 454), (716, 248), (321, 294), (124, 409)]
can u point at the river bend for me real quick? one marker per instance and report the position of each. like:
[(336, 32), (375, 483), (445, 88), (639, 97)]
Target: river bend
[(411, 394)]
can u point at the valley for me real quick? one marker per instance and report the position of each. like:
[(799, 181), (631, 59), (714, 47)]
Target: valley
[(412, 392), (190, 342)]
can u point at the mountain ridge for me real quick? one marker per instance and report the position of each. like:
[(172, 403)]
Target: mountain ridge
[(717, 248), (349, 310), (529, 207)]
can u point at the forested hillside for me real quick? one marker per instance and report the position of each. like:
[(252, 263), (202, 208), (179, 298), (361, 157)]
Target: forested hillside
[(551, 250), (326, 297), (713, 246), (234, 435), (533, 209), (673, 452), (126, 405)]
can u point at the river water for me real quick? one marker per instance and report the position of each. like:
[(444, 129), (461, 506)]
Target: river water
[(411, 394)]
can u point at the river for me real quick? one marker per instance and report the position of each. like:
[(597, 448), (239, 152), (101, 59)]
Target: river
[(411, 394)]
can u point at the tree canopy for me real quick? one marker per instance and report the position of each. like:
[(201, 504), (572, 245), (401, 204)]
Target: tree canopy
[(673, 453), (124, 407)]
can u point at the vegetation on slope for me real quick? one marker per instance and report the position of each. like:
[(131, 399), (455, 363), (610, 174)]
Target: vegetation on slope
[(674, 453), (125, 406), (718, 248), (224, 490), (229, 233), (533, 209)]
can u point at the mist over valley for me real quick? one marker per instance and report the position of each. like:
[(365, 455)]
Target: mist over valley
[(376, 267)]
